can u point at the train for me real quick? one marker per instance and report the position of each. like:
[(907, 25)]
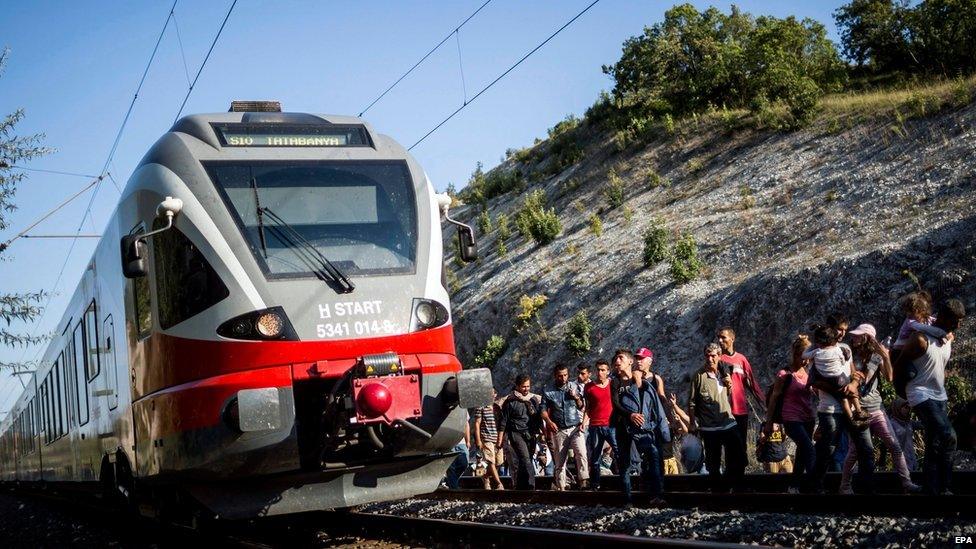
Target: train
[(263, 328)]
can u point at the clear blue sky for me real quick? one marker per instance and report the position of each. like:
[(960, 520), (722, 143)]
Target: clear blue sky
[(75, 65)]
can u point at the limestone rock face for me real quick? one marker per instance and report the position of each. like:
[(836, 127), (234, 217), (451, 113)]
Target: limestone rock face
[(789, 227)]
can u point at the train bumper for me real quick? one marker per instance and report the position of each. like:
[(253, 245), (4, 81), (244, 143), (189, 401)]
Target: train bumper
[(294, 493)]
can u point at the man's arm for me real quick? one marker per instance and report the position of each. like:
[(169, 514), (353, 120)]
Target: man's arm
[(477, 430), (751, 379), (692, 392), (917, 346)]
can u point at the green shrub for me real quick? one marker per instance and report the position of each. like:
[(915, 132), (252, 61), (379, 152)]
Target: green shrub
[(453, 282), (529, 308), (668, 122), (747, 200), (503, 229), (614, 191), (484, 222), (494, 348), (537, 222), (959, 392), (685, 265), (596, 226), (628, 213), (501, 248), (655, 243), (578, 334), (654, 179), (568, 124)]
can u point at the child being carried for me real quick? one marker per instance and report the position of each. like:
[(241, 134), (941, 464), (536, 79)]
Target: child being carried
[(833, 364)]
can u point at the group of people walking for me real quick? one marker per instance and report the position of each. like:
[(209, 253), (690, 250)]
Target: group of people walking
[(625, 410)]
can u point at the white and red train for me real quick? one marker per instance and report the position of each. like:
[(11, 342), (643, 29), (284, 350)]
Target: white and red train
[(264, 327)]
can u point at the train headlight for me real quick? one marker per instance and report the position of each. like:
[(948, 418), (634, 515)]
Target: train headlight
[(266, 324), (427, 314), (269, 325)]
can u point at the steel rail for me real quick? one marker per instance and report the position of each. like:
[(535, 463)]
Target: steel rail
[(832, 504), (964, 482), (457, 533)]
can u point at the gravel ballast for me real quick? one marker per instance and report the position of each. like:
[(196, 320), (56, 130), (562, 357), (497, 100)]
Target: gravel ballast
[(799, 530)]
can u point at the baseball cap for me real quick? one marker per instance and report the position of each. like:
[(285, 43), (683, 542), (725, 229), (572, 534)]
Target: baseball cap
[(864, 329), (644, 352)]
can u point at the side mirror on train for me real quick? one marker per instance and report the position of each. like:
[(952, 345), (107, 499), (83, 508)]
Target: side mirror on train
[(468, 249), (134, 256), (133, 246)]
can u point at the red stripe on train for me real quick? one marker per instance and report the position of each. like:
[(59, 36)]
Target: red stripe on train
[(166, 361)]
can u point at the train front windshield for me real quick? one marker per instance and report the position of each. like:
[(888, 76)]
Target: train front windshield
[(362, 216)]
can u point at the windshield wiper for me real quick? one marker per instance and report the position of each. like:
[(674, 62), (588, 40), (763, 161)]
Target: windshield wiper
[(257, 203), (324, 269)]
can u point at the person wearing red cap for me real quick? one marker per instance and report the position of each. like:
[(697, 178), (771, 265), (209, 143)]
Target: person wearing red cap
[(742, 380)]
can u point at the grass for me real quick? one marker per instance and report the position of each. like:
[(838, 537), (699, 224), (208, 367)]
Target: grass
[(912, 101)]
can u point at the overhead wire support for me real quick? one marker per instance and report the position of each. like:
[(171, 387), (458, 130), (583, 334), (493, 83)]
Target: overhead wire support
[(503, 75), (424, 58), (205, 59), (51, 212)]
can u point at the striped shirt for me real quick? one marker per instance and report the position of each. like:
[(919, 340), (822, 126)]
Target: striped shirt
[(489, 430)]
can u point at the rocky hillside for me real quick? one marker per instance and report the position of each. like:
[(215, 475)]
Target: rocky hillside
[(789, 226)]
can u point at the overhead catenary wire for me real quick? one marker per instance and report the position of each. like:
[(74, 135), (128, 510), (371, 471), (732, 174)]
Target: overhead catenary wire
[(424, 58), (205, 59), (102, 175), (57, 172), (503, 75)]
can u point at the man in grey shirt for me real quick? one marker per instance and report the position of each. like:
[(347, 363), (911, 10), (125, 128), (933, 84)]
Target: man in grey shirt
[(926, 394)]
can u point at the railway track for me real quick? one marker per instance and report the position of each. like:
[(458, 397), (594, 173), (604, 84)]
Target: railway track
[(964, 482), (332, 529), (877, 504)]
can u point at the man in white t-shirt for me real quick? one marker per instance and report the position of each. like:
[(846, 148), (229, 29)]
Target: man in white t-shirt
[(926, 393)]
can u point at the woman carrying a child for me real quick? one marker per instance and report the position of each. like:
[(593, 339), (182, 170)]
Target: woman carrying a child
[(871, 360), (791, 404)]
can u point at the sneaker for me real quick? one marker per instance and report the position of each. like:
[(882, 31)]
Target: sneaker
[(584, 484), (946, 493), (792, 490), (845, 491), (911, 488), (657, 502)]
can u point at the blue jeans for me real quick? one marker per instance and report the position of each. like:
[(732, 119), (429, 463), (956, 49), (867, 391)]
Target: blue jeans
[(458, 467), (801, 433), (940, 442), (596, 437), (832, 426), (651, 466)]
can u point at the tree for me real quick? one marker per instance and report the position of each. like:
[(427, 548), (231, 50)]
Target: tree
[(875, 34), (695, 60), (15, 307)]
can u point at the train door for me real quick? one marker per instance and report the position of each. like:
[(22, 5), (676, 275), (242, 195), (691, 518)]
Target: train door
[(139, 325), (109, 387)]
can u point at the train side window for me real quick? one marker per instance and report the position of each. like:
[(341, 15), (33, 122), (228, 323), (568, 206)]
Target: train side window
[(59, 400), (80, 350), (111, 373), (91, 338), (141, 299), (186, 284)]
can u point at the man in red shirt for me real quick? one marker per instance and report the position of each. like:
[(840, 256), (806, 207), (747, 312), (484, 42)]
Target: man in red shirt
[(742, 380), (598, 409)]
